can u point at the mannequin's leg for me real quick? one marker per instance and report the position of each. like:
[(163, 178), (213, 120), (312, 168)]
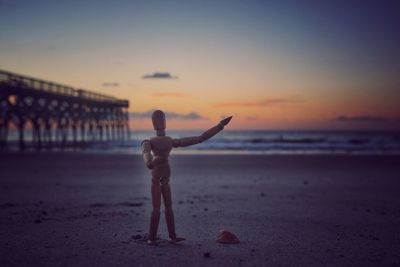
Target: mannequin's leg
[(156, 202), (169, 213)]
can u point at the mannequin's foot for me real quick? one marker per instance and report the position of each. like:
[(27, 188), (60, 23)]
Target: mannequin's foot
[(176, 240), (152, 242)]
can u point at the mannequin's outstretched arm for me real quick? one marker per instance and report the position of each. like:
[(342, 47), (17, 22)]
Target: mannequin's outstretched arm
[(188, 141)]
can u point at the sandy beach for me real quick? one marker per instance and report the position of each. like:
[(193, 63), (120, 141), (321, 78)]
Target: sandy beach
[(73, 209)]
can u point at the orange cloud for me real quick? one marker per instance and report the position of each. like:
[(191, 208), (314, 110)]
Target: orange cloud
[(169, 115), (170, 94), (261, 103)]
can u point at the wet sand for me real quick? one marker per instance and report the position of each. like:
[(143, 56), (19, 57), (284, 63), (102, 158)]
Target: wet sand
[(72, 209)]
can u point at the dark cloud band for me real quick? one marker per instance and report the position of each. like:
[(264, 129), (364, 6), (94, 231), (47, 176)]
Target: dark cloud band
[(361, 118), (159, 75), (110, 84)]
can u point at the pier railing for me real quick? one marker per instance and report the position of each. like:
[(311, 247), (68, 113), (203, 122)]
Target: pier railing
[(13, 79)]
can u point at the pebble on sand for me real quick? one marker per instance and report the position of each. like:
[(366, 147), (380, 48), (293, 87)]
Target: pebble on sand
[(137, 236)]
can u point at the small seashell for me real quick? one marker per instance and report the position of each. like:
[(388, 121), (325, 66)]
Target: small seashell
[(227, 237)]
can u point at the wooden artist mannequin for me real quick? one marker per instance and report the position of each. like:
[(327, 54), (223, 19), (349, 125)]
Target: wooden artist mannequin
[(155, 153)]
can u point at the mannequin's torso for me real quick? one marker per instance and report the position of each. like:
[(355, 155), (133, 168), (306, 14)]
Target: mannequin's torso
[(161, 146)]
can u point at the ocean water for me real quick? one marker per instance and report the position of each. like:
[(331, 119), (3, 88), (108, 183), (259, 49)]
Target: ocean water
[(288, 142), (265, 142)]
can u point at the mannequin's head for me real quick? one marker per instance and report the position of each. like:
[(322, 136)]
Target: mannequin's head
[(159, 123)]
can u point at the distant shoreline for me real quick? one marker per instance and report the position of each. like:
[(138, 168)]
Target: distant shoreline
[(209, 153)]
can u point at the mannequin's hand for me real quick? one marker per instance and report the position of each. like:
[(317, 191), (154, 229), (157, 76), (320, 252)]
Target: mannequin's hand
[(225, 121), (149, 165)]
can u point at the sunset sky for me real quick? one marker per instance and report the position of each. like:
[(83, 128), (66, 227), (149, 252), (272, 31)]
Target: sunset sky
[(271, 64)]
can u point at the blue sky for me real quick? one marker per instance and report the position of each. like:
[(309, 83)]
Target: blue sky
[(272, 49)]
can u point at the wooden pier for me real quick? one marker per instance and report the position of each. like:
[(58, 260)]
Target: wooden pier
[(58, 115)]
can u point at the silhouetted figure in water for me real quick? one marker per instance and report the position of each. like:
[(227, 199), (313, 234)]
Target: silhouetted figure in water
[(155, 153)]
